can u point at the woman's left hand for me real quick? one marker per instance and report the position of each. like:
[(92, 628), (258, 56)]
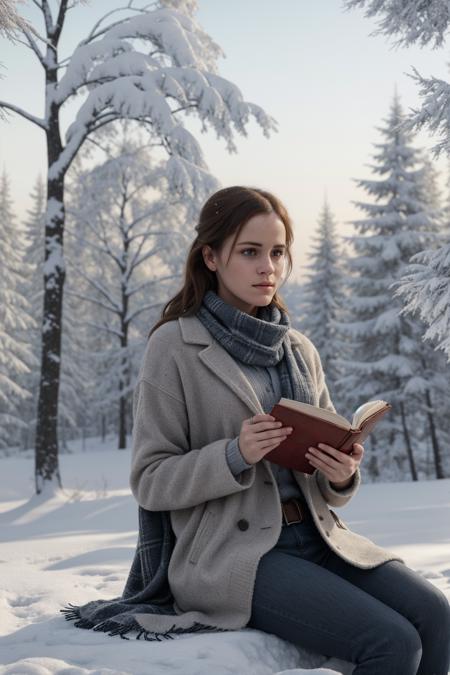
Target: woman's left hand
[(337, 466)]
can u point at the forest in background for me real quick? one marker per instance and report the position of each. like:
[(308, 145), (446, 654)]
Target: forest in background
[(112, 221)]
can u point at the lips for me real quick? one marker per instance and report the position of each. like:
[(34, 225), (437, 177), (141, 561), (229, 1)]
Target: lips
[(263, 285)]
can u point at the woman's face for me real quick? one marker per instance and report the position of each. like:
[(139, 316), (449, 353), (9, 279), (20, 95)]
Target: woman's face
[(259, 256)]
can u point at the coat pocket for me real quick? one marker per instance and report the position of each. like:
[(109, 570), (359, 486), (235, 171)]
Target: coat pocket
[(200, 536), (338, 521)]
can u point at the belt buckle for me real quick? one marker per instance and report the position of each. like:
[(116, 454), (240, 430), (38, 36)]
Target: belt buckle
[(299, 520)]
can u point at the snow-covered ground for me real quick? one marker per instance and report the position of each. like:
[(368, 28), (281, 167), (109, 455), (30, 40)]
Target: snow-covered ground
[(79, 545)]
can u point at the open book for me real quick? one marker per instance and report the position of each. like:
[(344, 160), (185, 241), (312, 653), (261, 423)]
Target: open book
[(313, 425)]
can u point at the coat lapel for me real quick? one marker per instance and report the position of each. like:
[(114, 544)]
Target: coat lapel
[(220, 362)]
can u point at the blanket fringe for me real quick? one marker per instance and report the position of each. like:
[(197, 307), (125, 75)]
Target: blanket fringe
[(72, 613)]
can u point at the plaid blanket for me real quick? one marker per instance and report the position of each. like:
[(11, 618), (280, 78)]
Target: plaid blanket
[(146, 590)]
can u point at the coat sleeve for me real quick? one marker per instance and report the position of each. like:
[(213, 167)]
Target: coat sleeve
[(166, 474), (332, 497)]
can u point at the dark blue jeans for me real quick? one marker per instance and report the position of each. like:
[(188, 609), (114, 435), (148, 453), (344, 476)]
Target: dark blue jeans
[(388, 620)]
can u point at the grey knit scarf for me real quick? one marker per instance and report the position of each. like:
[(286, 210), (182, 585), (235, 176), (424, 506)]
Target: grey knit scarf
[(261, 340)]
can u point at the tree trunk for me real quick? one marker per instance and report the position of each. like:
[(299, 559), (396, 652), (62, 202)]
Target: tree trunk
[(123, 383), (434, 440), (123, 327), (46, 458), (409, 450), (103, 427)]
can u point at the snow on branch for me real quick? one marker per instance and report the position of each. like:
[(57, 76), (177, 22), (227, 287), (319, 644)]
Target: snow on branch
[(33, 46), (414, 20), (176, 74), (113, 306), (10, 21), (4, 105), (97, 302), (425, 288), (143, 308), (435, 111)]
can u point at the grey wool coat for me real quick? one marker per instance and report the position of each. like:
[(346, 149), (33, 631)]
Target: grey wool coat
[(190, 400)]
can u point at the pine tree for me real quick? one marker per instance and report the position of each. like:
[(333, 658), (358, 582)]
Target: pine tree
[(429, 389), (321, 297), (33, 288), (427, 287), (15, 321), (386, 346)]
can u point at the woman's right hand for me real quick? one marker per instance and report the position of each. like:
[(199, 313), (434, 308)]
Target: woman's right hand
[(260, 434)]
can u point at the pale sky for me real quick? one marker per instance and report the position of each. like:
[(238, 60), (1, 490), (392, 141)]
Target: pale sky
[(311, 65)]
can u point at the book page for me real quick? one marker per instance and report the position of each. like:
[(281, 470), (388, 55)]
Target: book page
[(315, 411), (366, 410)]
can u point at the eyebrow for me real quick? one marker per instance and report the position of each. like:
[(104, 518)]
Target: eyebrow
[(255, 243)]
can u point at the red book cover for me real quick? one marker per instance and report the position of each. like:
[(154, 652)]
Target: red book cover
[(309, 429)]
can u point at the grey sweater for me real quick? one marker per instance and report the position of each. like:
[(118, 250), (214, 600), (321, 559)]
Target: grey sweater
[(266, 384)]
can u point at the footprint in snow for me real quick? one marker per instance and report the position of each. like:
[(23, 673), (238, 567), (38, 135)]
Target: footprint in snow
[(24, 600)]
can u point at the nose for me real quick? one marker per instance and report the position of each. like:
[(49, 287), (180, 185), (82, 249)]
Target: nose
[(267, 266)]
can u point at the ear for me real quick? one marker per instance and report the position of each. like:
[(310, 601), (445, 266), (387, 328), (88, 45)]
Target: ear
[(209, 258)]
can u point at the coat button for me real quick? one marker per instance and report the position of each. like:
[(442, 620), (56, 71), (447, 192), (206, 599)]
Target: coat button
[(320, 517), (243, 524), (327, 533)]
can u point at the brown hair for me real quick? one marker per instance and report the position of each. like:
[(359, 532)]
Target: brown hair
[(223, 214)]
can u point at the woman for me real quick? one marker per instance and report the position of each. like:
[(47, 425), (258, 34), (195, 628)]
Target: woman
[(257, 545)]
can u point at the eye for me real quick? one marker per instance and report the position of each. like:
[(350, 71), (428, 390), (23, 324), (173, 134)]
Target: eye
[(278, 250)]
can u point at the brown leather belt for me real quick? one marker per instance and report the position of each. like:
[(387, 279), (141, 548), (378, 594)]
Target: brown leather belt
[(294, 511)]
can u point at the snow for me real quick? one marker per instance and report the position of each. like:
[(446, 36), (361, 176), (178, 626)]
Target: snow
[(78, 544)]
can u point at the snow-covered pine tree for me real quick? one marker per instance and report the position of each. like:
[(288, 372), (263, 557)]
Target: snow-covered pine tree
[(16, 357), (153, 64), (429, 389), (410, 21), (33, 288), (291, 292), (387, 347), (446, 208), (414, 21), (123, 219), (321, 296), (425, 287)]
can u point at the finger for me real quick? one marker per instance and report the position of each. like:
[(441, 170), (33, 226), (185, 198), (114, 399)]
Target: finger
[(321, 466), (341, 457), (259, 418), (358, 449), (323, 458), (329, 448)]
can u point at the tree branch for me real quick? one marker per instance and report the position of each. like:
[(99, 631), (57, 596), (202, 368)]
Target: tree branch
[(45, 9), (146, 256), (60, 20), (113, 306), (33, 46), (95, 301), (144, 308), (102, 237), (93, 35), (31, 118), (185, 107), (107, 329), (139, 287), (90, 244)]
